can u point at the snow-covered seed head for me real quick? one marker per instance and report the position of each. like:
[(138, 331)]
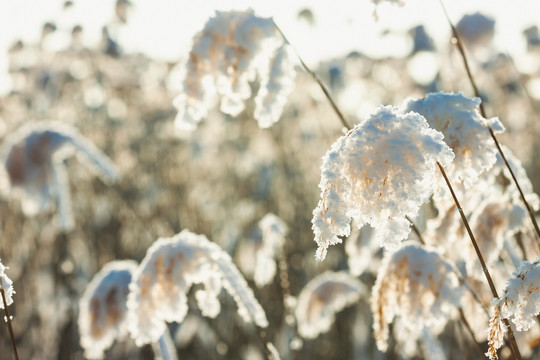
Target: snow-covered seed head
[(381, 171), (464, 129), (103, 310), (158, 292), (322, 298), (231, 50), (520, 303), (34, 169), (7, 285), (418, 285), (273, 231)]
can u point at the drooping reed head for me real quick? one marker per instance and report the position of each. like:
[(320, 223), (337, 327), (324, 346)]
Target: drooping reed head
[(378, 173), (322, 298), (158, 292), (102, 308)]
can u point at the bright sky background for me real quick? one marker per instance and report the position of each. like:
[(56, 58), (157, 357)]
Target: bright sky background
[(163, 28)]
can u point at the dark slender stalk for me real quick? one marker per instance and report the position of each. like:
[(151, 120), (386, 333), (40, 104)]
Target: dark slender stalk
[(8, 321), (416, 231), (461, 49), (513, 342), (471, 333), (318, 80)]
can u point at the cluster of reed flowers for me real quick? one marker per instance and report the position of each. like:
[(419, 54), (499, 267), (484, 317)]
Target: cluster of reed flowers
[(232, 49)]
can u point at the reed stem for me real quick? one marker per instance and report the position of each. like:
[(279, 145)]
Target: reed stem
[(459, 44), (318, 80), (485, 270)]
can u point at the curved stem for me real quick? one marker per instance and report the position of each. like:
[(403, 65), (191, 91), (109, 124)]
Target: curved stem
[(513, 342), (318, 81), (461, 49)]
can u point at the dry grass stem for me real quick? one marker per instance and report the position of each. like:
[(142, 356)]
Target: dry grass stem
[(8, 321)]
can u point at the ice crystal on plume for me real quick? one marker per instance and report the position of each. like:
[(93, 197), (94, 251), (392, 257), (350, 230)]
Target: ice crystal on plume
[(322, 298), (457, 117), (520, 303), (103, 311), (7, 285), (158, 292), (378, 173), (232, 50), (33, 159), (418, 285)]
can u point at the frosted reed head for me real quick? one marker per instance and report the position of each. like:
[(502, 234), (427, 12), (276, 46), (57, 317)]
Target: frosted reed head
[(381, 171), (322, 298), (7, 285), (419, 286), (171, 266), (103, 310)]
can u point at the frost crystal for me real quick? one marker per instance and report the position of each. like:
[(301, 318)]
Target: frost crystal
[(7, 285), (273, 231), (322, 298), (378, 173), (232, 50), (33, 159), (161, 283), (418, 285), (457, 117), (520, 303), (103, 311)]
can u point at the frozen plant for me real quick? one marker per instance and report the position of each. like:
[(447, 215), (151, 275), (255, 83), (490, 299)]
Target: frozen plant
[(419, 286), (464, 129), (322, 298), (231, 50), (520, 303), (158, 292), (33, 159), (381, 171), (276, 85), (6, 285), (103, 310), (273, 231)]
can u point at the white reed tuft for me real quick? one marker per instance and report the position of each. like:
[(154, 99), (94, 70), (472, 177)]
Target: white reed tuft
[(520, 303), (7, 285), (417, 285), (33, 159), (322, 298), (458, 118), (103, 310), (233, 49), (171, 265), (378, 173), (273, 231)]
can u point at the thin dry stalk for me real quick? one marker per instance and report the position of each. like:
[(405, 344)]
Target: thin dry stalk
[(317, 80), (485, 270), (8, 321), (471, 333), (461, 49)]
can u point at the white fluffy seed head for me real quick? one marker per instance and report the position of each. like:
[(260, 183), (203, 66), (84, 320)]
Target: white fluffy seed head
[(103, 310), (381, 171), (34, 170), (417, 285), (273, 231), (7, 285), (158, 292), (231, 50), (465, 132), (322, 298)]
